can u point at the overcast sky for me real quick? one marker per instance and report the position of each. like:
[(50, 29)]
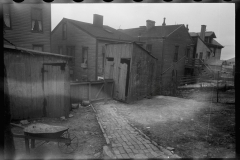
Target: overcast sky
[(218, 17)]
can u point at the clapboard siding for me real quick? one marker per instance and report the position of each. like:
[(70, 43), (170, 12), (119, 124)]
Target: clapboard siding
[(21, 34), (26, 88), (78, 39), (178, 38), (142, 76)]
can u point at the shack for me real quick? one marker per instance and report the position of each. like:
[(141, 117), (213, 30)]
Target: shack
[(133, 70), (38, 83)]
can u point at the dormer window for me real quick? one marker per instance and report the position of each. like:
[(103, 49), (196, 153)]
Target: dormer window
[(36, 20), (64, 33), (6, 16), (206, 39)]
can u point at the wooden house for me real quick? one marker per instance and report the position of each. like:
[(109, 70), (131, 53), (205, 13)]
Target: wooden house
[(133, 70), (27, 25), (38, 83), (85, 42), (169, 44)]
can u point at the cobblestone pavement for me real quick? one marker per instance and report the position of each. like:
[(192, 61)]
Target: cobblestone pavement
[(124, 140)]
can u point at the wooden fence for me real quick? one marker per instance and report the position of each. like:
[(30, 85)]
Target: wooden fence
[(92, 90)]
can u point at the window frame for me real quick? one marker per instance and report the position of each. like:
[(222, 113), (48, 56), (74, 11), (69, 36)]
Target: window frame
[(72, 54), (201, 55), (175, 57), (149, 48), (38, 45), (60, 47), (64, 24), (35, 8), (10, 17), (84, 48)]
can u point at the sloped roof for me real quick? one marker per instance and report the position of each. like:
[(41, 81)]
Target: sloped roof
[(207, 34), (157, 31), (231, 60), (216, 43), (106, 32)]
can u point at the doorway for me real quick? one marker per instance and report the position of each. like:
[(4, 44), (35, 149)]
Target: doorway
[(127, 62)]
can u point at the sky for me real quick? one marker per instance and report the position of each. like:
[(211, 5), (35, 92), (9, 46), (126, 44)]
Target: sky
[(218, 17)]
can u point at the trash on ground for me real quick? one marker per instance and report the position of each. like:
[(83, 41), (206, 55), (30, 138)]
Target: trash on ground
[(70, 115), (63, 118), (23, 122)]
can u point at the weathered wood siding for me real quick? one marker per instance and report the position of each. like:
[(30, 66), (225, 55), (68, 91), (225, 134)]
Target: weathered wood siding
[(143, 74), (178, 38), (79, 39), (26, 85), (142, 70), (20, 34), (92, 91)]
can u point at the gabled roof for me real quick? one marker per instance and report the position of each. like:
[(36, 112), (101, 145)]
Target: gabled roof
[(207, 34), (100, 33), (157, 31), (216, 43)]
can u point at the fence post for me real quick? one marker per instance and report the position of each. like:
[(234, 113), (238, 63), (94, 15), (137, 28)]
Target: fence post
[(89, 92), (105, 91), (217, 85)]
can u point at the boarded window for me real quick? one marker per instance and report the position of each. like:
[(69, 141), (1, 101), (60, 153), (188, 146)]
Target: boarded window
[(149, 48), (60, 50), (38, 47), (84, 55), (37, 20), (64, 31), (71, 52), (175, 59), (6, 16)]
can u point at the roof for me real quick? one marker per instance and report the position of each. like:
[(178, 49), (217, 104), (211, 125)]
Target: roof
[(100, 33), (216, 43), (207, 34), (135, 43), (157, 31), (30, 51), (231, 60)]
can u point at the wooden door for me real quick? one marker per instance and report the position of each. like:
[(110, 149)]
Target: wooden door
[(122, 81), (109, 68), (53, 91)]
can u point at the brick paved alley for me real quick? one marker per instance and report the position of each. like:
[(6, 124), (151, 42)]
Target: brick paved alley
[(123, 139)]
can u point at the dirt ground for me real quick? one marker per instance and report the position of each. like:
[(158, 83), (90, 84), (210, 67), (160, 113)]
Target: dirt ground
[(194, 128), (83, 124)]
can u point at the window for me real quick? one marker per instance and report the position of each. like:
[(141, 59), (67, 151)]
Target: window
[(206, 39), (175, 59), (149, 48), (6, 16), (103, 57), (214, 51), (84, 55), (71, 52), (208, 55), (60, 50), (196, 55), (36, 20), (200, 55), (188, 53), (64, 34), (38, 47)]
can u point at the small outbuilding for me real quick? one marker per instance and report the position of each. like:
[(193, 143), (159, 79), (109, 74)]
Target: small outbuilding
[(38, 83), (133, 70)]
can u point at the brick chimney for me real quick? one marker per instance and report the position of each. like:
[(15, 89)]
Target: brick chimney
[(98, 20), (187, 27), (150, 24), (164, 24), (203, 30)]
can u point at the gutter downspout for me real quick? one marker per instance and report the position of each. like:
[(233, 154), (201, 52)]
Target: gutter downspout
[(161, 82), (96, 60)]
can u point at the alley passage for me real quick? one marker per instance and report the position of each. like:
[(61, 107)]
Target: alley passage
[(125, 141)]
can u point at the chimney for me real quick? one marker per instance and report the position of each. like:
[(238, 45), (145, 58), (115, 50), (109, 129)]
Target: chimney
[(150, 24), (98, 20), (164, 24), (203, 30), (187, 27)]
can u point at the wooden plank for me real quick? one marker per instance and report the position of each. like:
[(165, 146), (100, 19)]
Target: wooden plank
[(99, 91)]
